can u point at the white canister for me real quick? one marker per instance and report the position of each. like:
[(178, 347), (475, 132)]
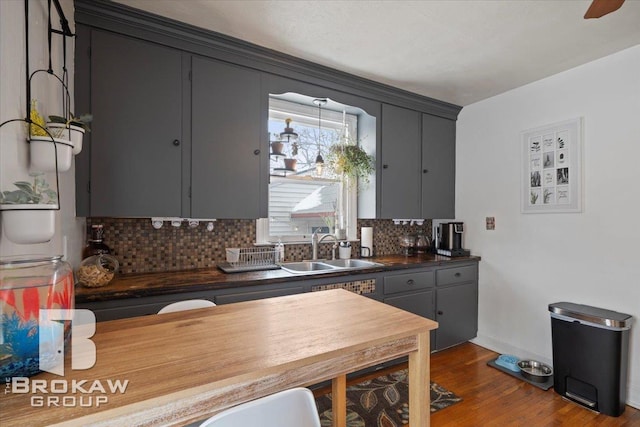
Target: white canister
[(344, 252)]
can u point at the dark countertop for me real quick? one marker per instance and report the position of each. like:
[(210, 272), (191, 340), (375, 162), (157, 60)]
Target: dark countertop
[(147, 284)]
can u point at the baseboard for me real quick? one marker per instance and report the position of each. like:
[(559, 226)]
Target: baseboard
[(633, 395), (501, 347)]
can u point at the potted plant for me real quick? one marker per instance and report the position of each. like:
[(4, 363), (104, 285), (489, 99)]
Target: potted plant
[(350, 162), (72, 128), (48, 153), (277, 146), (28, 213), (290, 162)]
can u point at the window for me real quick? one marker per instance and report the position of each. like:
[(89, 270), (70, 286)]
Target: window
[(308, 198)]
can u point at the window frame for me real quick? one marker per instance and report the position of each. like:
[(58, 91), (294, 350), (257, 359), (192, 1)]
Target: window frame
[(307, 115)]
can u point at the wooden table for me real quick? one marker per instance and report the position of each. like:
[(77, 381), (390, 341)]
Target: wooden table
[(186, 366)]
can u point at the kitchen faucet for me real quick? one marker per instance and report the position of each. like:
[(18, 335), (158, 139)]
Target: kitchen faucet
[(315, 241)]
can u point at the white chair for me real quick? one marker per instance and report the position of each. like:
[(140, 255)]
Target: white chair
[(290, 408), (189, 304)]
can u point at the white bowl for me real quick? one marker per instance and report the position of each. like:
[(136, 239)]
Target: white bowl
[(28, 223), (71, 132), (43, 154)]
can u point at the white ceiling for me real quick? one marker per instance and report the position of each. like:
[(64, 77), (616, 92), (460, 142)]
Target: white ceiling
[(456, 51)]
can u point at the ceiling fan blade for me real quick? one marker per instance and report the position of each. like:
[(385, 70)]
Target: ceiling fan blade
[(601, 7)]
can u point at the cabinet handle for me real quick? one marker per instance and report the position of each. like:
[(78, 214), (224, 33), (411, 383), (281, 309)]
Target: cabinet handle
[(176, 142), (256, 152), (410, 282), (385, 166), (440, 313), (457, 274), (425, 170)]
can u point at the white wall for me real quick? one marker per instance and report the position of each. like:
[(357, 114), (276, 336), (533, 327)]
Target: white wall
[(531, 260), (14, 157)]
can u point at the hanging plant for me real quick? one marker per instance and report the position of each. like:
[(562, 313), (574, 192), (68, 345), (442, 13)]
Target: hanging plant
[(81, 122), (28, 213), (351, 161), (37, 128), (27, 193)]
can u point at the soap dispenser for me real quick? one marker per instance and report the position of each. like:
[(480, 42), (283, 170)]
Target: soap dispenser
[(279, 251)]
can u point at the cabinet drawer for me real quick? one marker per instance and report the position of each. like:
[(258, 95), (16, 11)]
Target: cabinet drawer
[(408, 282), (250, 296), (448, 276)]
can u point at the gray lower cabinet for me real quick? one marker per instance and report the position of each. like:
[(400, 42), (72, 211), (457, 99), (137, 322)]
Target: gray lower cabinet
[(413, 292), (456, 304), (251, 295), (456, 314), (131, 307), (421, 303), (447, 295)]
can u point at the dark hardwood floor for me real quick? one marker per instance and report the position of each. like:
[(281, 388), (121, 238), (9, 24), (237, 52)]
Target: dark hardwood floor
[(493, 398)]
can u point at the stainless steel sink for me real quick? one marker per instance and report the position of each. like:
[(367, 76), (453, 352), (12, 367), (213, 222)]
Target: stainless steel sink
[(327, 266), (303, 266), (352, 263)]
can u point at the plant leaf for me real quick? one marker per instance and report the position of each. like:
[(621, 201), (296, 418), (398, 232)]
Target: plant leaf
[(57, 119), (24, 186)]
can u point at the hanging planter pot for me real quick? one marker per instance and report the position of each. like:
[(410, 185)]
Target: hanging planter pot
[(28, 212), (75, 134), (71, 128), (276, 148), (290, 164), (42, 150), (28, 223)]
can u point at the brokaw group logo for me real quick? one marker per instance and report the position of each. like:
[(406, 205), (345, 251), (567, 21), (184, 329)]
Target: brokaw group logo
[(64, 392)]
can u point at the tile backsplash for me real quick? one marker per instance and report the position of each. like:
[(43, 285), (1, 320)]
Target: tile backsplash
[(142, 249)]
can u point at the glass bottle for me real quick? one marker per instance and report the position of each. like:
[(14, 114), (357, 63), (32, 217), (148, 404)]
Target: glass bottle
[(95, 245), (422, 244)]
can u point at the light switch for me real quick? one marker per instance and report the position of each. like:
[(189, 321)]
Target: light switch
[(491, 223)]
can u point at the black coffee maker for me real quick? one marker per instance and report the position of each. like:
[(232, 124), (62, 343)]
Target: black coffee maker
[(450, 239)]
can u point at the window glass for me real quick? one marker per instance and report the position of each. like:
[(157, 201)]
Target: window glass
[(307, 197)]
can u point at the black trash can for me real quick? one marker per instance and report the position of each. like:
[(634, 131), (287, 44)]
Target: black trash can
[(590, 356)]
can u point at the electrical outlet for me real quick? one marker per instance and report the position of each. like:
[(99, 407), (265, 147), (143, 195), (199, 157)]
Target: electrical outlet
[(491, 223)]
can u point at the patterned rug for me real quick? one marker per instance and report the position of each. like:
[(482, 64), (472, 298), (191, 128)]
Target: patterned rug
[(382, 402)]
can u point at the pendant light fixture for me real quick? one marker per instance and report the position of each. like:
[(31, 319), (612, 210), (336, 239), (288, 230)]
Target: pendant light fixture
[(319, 160)]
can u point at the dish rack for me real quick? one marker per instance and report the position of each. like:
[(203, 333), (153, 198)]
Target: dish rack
[(249, 259)]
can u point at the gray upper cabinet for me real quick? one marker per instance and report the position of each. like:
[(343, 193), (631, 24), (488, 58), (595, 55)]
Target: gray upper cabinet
[(181, 123), (136, 137), (226, 161), (399, 195), (438, 167)]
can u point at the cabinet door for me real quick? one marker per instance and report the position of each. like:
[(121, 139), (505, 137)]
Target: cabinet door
[(136, 152), (420, 303), (400, 183), (438, 167), (456, 314), (226, 174)]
